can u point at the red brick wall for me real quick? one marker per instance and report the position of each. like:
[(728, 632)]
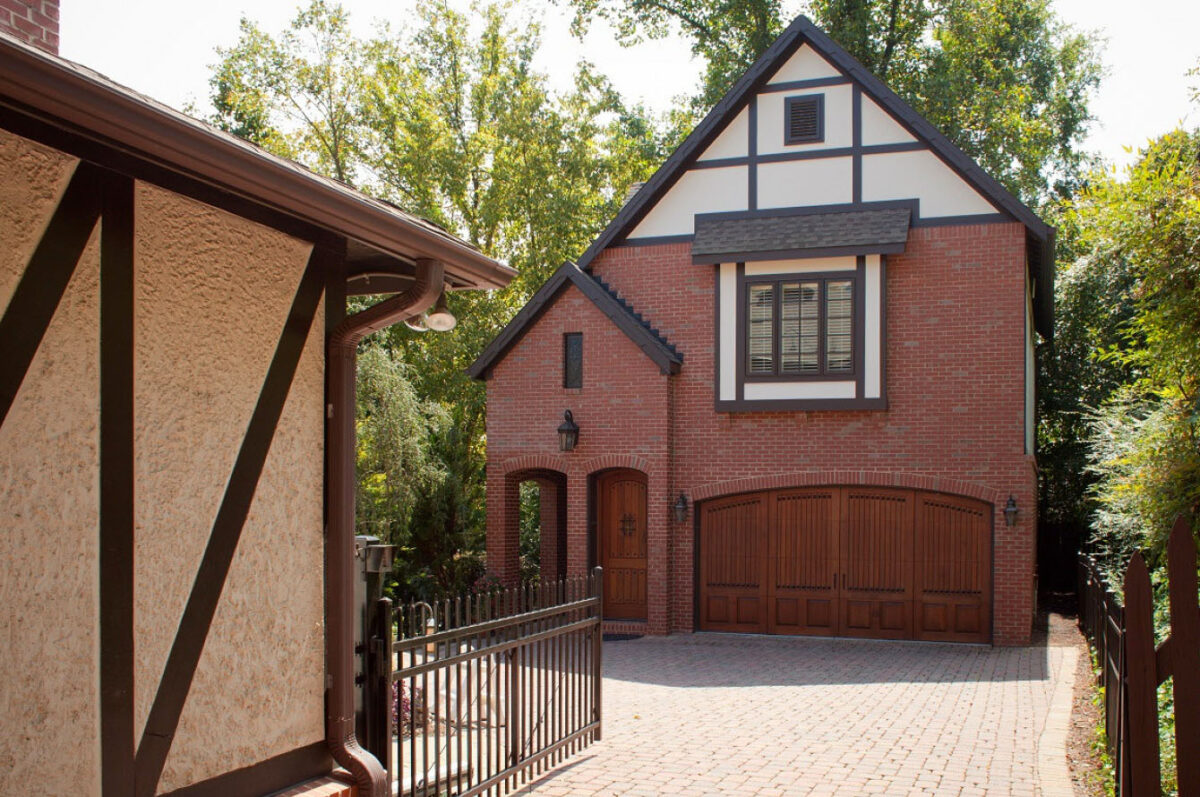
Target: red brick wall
[(622, 415), (955, 386), (33, 21)]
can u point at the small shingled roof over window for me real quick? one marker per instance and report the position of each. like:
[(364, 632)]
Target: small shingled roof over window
[(727, 238)]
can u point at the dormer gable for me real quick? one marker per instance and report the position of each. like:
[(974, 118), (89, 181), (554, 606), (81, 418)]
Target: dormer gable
[(809, 130)]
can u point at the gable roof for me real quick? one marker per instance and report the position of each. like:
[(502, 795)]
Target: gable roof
[(725, 237), (85, 103), (800, 32), (648, 339)]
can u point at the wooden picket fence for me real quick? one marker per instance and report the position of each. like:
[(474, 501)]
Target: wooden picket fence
[(1133, 667)]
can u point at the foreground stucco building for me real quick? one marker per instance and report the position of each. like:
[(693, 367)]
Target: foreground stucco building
[(800, 362), (176, 438)]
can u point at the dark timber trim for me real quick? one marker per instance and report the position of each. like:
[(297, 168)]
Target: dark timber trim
[(801, 405), (797, 254), (856, 180), (180, 668), (716, 294), (811, 154), (654, 240), (859, 338), (266, 777), (814, 210), (800, 85), (648, 340), (752, 151), (45, 279), (116, 554)]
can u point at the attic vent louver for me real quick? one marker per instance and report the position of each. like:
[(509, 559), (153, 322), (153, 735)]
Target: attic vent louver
[(804, 119)]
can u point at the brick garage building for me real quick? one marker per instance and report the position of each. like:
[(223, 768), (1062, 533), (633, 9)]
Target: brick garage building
[(800, 360)]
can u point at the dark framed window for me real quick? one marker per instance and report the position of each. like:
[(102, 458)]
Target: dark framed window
[(800, 328), (573, 359), (804, 119)]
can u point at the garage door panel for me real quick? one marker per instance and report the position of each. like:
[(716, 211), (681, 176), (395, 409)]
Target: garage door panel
[(953, 557), (733, 564), (876, 561), (803, 553)]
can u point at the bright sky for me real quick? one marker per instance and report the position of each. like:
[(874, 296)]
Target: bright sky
[(164, 49)]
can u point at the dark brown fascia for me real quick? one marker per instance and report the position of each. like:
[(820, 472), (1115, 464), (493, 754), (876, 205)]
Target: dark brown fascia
[(96, 108), (369, 774), (663, 355)]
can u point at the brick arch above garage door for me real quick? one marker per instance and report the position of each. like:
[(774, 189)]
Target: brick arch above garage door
[(856, 560), (857, 478)]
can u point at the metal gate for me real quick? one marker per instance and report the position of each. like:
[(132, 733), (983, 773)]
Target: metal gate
[(482, 694)]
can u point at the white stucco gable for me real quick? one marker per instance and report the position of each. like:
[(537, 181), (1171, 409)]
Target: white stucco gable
[(865, 153)]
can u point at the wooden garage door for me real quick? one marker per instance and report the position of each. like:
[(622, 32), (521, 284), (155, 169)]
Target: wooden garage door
[(850, 561)]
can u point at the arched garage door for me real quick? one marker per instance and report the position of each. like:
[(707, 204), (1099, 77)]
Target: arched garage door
[(847, 561)]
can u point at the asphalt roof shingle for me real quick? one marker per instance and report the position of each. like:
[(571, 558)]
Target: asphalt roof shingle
[(866, 231)]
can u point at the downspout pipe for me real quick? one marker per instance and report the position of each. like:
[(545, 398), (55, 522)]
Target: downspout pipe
[(368, 773)]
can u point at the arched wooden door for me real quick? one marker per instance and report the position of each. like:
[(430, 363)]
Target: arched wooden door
[(621, 533)]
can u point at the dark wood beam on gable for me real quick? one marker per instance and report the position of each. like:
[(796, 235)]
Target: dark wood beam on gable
[(45, 279)]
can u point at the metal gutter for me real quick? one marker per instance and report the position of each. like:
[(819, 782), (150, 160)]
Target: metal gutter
[(368, 773), (95, 107)]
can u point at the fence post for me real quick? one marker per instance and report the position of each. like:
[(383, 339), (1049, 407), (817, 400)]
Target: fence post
[(597, 648), (1141, 682), (1185, 653), (380, 725)]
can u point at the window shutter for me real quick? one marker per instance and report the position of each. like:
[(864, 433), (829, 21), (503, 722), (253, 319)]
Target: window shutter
[(804, 119)]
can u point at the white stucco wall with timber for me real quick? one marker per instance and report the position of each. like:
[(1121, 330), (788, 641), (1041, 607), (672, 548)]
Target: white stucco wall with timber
[(212, 292), (49, 505)]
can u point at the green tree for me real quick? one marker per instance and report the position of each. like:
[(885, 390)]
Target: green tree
[(1145, 441), (1005, 80), (449, 120)]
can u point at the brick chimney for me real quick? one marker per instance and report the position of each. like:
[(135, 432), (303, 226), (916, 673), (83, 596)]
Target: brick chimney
[(33, 21)]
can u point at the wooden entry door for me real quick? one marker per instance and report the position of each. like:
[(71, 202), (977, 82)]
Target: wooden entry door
[(621, 531)]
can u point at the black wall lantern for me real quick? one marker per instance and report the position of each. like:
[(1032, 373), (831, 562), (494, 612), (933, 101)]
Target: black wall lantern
[(568, 433), (681, 508), (1010, 512)]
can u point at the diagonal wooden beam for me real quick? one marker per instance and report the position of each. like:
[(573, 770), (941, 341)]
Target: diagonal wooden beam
[(226, 532), (41, 287)]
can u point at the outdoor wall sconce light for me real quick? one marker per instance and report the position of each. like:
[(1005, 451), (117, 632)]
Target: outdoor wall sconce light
[(568, 432), (417, 323), (681, 504), (1010, 512), (441, 319)]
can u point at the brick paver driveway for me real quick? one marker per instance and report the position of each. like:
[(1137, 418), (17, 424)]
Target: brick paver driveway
[(748, 715)]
